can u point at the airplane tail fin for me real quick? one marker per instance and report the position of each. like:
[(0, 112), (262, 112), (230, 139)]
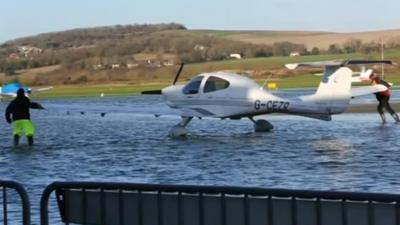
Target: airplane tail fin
[(334, 90)]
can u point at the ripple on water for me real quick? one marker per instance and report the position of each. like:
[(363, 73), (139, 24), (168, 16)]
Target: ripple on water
[(352, 152)]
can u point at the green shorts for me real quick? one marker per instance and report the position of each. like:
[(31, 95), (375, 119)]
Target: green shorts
[(24, 126)]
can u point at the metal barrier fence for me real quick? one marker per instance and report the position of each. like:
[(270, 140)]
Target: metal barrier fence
[(145, 204), (26, 207)]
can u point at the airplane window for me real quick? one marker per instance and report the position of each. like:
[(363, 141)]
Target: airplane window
[(193, 86), (215, 84)]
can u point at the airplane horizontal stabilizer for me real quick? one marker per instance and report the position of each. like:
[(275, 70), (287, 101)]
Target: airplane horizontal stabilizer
[(336, 63), (366, 90), (319, 64)]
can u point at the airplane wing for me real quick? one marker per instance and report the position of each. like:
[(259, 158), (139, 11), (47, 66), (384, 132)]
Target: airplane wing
[(366, 90), (10, 90), (319, 64), (42, 89), (364, 62), (336, 63), (101, 106), (11, 95), (7, 94)]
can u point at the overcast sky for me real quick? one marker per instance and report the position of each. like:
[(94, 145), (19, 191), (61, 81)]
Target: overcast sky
[(19, 18)]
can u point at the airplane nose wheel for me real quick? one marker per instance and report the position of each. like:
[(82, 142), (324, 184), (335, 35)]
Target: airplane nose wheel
[(179, 130), (262, 125)]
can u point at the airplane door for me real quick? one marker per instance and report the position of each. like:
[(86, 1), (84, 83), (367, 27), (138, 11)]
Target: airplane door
[(213, 88), (192, 89)]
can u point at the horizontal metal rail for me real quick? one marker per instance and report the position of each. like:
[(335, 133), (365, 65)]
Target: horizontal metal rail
[(318, 198), (26, 207)]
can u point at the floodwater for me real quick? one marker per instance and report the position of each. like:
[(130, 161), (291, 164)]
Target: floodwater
[(352, 152)]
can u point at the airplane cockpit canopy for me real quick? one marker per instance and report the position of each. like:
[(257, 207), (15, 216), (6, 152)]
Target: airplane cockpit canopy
[(212, 84), (193, 86), (215, 84)]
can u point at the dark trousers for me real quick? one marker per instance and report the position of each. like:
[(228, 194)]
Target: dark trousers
[(384, 103)]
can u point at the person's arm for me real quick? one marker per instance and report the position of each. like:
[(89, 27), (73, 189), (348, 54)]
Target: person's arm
[(35, 105), (385, 83), (8, 113)]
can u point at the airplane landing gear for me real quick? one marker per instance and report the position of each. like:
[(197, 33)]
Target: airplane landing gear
[(262, 125), (179, 130)]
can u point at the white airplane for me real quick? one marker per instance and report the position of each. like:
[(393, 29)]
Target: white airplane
[(229, 95)]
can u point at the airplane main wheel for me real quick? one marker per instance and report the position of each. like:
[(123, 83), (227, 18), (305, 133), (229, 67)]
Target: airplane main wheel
[(262, 126), (178, 131)]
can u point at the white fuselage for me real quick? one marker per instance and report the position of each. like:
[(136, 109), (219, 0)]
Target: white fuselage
[(243, 97)]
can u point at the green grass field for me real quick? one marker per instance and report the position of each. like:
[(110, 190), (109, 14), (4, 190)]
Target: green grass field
[(274, 64)]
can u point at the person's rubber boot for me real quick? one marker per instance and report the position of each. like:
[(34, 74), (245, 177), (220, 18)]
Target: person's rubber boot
[(396, 117), (30, 140), (383, 117), (16, 140)]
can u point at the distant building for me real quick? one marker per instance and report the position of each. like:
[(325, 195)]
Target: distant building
[(13, 56), (27, 51), (131, 65), (235, 56), (294, 54), (168, 62), (153, 63), (98, 67), (199, 47), (115, 66)]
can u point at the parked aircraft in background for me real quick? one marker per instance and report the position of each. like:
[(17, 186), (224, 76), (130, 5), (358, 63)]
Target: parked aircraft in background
[(10, 90), (232, 96)]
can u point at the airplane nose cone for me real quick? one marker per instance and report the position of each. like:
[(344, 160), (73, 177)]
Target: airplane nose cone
[(166, 92), (172, 92)]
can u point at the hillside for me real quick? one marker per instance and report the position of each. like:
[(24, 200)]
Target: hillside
[(137, 54), (321, 40)]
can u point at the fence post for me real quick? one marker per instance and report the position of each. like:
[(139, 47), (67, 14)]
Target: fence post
[(44, 203), (26, 207)]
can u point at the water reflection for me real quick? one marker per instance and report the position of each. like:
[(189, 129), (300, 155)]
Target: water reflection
[(328, 144), (352, 152)]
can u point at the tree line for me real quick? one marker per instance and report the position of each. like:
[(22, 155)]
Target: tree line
[(83, 48), (354, 45)]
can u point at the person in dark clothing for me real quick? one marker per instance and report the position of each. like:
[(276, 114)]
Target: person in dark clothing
[(17, 112), (383, 99)]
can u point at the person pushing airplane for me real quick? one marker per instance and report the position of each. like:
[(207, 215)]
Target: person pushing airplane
[(17, 112), (383, 98)]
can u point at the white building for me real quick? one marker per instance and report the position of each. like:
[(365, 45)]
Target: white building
[(115, 66), (235, 56), (294, 54), (131, 65)]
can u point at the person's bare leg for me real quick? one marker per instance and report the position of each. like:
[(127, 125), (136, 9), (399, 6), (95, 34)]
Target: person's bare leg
[(383, 117)]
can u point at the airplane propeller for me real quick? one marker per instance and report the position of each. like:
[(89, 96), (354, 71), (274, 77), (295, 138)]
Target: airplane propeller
[(158, 92), (178, 73)]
